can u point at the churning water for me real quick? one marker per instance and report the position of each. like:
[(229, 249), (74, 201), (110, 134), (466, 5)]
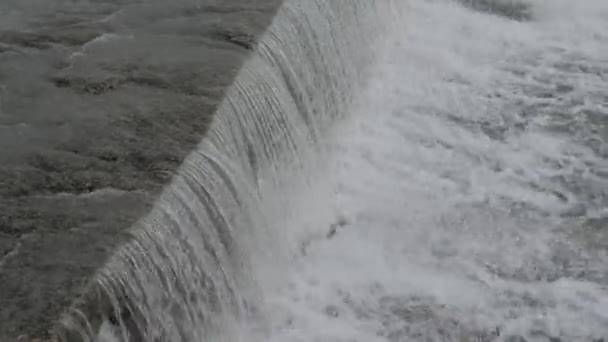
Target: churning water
[(389, 171)]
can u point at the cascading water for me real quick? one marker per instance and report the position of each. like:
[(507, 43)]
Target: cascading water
[(186, 275), (387, 171)]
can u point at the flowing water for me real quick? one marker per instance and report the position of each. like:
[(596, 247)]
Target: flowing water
[(389, 171), (468, 188)]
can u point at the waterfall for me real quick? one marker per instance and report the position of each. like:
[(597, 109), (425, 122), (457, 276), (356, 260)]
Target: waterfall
[(186, 274)]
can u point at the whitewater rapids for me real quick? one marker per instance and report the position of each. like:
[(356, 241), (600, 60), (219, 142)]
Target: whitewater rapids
[(467, 198)]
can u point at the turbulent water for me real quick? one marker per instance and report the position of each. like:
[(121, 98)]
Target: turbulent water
[(389, 171), (471, 181)]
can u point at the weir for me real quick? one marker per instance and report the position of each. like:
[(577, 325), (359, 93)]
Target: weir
[(375, 170), (187, 272)]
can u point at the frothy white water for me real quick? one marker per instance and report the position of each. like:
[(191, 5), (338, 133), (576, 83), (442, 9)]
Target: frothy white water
[(462, 188)]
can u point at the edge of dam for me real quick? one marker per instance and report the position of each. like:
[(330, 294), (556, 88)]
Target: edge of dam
[(99, 106)]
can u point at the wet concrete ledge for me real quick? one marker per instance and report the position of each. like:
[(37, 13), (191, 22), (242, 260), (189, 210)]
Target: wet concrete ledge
[(99, 103)]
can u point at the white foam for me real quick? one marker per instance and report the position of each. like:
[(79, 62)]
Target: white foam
[(450, 234)]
